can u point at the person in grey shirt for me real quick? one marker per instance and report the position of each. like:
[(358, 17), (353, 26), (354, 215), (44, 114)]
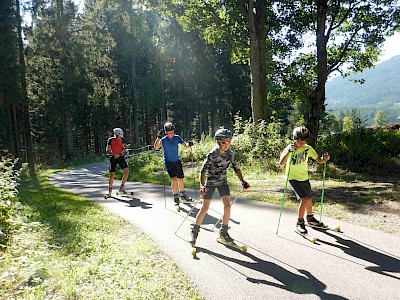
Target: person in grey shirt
[(213, 176)]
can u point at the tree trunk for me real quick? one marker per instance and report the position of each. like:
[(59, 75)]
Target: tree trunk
[(26, 123), (258, 65), (317, 97)]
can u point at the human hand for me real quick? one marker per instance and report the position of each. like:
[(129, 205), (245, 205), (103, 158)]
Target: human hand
[(245, 184), (292, 148), (325, 156), (203, 190), (160, 134), (190, 143)]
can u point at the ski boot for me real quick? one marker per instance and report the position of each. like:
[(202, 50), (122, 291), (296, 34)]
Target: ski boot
[(193, 237), (224, 235), (177, 202), (108, 195), (194, 233), (226, 240), (313, 222), (122, 190), (301, 226), (184, 197), (301, 230)]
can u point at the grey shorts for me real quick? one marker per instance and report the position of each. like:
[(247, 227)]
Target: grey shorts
[(223, 190), (302, 189)]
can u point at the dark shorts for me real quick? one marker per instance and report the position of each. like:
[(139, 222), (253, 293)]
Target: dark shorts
[(174, 169), (302, 189), (223, 190), (121, 161)]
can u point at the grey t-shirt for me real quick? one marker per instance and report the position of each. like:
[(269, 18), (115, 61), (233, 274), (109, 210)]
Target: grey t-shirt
[(215, 167)]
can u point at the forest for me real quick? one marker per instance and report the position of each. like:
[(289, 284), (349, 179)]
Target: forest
[(70, 73)]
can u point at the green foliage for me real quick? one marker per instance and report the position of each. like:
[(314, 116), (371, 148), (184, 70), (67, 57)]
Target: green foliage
[(199, 150), (369, 151), (380, 118), (261, 141), (348, 124), (8, 195)]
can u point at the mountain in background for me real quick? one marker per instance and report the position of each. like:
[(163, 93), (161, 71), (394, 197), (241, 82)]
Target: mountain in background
[(380, 91)]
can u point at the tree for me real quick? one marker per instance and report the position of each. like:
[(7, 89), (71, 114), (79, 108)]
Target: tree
[(240, 27), (348, 125), (380, 118), (348, 37)]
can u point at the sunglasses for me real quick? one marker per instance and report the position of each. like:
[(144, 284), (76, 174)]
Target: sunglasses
[(225, 142)]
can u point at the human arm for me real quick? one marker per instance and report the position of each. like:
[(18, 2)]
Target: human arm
[(187, 144), (325, 157), (157, 143), (244, 182), (286, 153), (203, 189)]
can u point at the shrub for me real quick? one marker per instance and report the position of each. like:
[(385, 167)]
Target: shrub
[(363, 150), (8, 195)]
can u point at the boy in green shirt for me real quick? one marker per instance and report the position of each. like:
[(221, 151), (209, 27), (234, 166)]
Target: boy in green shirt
[(298, 176)]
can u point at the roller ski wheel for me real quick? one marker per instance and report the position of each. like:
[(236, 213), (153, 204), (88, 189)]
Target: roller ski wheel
[(193, 251), (307, 236), (325, 228), (126, 194), (242, 248)]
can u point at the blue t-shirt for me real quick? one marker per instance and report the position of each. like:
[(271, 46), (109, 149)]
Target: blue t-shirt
[(171, 147)]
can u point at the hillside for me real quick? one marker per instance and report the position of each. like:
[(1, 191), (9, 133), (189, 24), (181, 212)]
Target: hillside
[(381, 90)]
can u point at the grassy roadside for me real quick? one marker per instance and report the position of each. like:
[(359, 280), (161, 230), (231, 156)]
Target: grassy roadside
[(66, 247)]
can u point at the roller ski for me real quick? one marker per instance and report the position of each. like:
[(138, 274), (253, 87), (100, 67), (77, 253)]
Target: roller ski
[(182, 198), (226, 240), (109, 194), (301, 230), (123, 192), (315, 224)]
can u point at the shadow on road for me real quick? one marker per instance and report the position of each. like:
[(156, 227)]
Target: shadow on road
[(305, 283), (385, 262)]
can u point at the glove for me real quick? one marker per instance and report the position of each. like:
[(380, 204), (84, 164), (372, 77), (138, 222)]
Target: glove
[(203, 190), (292, 148), (326, 154), (190, 143), (245, 184), (160, 134)]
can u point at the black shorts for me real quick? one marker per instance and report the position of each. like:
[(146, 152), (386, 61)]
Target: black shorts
[(121, 161), (174, 169), (302, 189), (223, 190)]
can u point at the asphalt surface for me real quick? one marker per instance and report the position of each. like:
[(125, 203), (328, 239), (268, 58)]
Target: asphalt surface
[(358, 263)]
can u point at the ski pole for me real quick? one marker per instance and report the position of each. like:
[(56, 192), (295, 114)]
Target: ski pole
[(188, 214), (234, 200), (322, 192), (194, 178), (284, 192)]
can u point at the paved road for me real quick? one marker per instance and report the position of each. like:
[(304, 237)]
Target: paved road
[(359, 263)]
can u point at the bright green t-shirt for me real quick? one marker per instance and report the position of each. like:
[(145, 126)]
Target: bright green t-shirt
[(299, 167)]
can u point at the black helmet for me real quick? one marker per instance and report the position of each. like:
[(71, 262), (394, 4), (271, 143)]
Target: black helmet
[(169, 126), (223, 133), (301, 133)]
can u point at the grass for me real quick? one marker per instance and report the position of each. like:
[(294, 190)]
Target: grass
[(65, 247)]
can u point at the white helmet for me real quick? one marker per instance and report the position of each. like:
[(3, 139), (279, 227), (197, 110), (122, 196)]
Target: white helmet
[(118, 132)]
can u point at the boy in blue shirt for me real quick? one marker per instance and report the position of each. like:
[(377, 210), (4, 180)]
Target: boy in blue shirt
[(170, 142)]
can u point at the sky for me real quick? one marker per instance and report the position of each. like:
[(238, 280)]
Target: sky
[(391, 47)]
